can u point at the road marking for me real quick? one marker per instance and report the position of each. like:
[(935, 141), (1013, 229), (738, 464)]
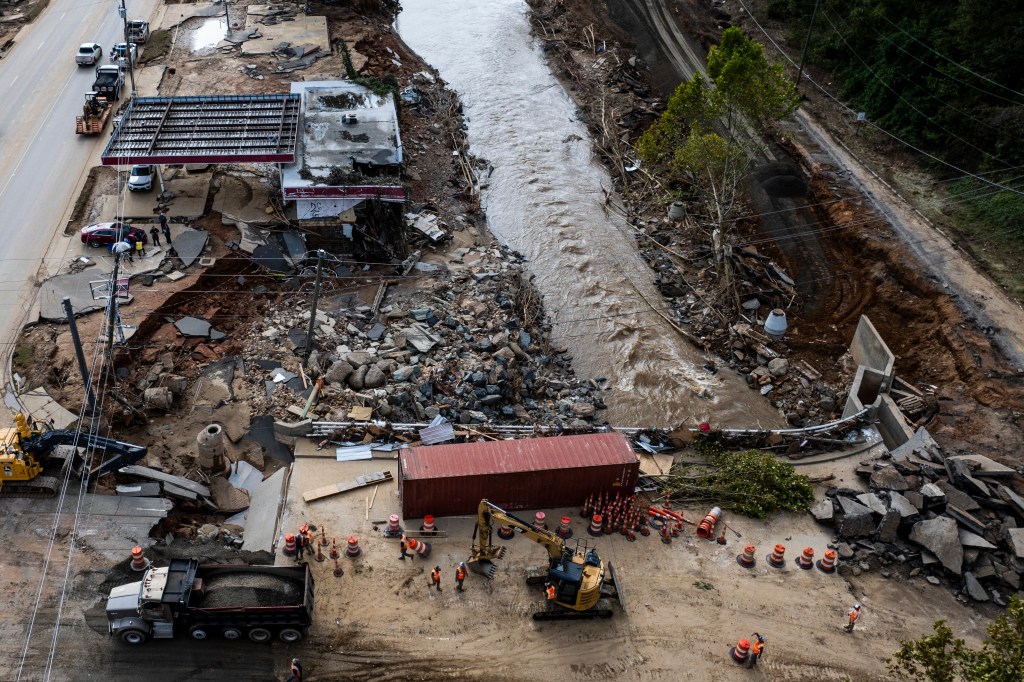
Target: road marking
[(15, 80)]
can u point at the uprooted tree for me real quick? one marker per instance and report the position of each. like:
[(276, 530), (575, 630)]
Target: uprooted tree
[(705, 140), (750, 482), (941, 657)]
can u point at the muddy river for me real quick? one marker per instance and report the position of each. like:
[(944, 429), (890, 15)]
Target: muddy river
[(546, 197)]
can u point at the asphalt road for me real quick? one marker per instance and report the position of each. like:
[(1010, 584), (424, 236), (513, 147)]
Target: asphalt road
[(43, 163)]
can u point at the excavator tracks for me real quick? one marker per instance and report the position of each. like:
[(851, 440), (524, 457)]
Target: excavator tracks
[(40, 486)]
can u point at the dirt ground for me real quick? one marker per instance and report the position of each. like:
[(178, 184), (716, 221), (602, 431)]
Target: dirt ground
[(687, 602)]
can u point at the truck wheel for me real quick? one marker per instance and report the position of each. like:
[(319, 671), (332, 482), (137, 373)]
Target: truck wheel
[(133, 637), (231, 633), (198, 633), (290, 635), (260, 635)]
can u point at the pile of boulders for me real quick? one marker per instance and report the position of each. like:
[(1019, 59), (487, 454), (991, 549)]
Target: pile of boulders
[(944, 516), (459, 349)]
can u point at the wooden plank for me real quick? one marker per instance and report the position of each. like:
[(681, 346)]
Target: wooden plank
[(345, 486), (421, 534)]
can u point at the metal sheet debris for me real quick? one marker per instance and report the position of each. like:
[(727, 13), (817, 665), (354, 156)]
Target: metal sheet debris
[(352, 453)]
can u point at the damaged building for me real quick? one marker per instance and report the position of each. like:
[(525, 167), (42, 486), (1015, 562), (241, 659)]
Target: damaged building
[(344, 188)]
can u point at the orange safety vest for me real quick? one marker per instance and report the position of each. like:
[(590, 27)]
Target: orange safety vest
[(757, 648), (551, 592), (854, 615), (435, 576), (460, 573)]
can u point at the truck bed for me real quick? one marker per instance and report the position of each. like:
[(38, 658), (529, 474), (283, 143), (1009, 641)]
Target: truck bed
[(249, 590), (91, 125)]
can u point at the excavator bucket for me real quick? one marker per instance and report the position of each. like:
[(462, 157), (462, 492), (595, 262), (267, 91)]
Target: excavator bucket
[(482, 563)]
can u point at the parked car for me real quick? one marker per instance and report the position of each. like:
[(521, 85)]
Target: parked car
[(117, 53), (88, 54), (141, 178), (105, 234)]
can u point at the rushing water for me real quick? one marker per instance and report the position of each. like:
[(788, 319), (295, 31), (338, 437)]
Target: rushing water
[(547, 199)]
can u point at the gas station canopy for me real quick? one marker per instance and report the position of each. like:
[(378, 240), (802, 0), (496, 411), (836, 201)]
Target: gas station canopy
[(209, 129)]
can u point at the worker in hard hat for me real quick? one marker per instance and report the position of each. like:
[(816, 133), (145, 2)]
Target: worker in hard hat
[(460, 576), (756, 649), (435, 577), (854, 616)]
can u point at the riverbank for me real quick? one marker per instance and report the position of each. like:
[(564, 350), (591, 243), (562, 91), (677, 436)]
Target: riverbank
[(848, 263)]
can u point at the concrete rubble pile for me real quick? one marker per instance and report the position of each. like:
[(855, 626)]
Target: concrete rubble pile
[(947, 516), (457, 349)]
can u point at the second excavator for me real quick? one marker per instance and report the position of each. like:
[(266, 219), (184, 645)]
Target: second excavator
[(584, 585)]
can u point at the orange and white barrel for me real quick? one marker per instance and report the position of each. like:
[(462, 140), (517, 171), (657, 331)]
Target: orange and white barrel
[(746, 558), (706, 528), (540, 521), (139, 562), (827, 564), (419, 547), (806, 559), (740, 651), (595, 525), (777, 558), (564, 528), (353, 550), (428, 524), (291, 547), (506, 532), (394, 527)]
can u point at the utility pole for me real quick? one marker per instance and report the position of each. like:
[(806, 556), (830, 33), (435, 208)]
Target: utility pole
[(312, 312), (128, 46), (112, 309), (77, 342), (807, 41)]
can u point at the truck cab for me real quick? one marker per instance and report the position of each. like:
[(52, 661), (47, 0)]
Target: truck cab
[(144, 609), (138, 31)]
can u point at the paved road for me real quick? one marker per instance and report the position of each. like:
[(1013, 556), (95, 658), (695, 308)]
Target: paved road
[(42, 162)]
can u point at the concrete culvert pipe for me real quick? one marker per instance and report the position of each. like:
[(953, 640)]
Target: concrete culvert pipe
[(210, 443)]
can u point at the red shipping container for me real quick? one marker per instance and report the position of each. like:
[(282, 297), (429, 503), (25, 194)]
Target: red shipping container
[(532, 473)]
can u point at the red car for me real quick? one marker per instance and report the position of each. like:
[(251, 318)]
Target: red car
[(105, 234)]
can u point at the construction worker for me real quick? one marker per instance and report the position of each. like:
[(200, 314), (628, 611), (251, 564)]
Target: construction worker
[(435, 577), (756, 649), (460, 576), (295, 671), (305, 539), (549, 591), (403, 545), (854, 616)]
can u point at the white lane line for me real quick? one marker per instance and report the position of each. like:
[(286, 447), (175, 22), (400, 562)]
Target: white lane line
[(15, 80)]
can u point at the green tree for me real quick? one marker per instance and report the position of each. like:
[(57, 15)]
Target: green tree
[(747, 82), (941, 657)]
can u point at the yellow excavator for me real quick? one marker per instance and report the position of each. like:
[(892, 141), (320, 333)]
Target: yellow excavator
[(584, 585), (29, 450)]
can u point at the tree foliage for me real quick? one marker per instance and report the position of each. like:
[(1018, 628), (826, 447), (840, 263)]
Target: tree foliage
[(697, 140), (941, 657), (751, 482)]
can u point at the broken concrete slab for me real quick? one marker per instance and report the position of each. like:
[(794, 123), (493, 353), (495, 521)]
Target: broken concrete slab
[(857, 525), (1011, 498), (901, 504), (419, 338), (873, 502), (43, 407), (264, 510), (888, 478), (823, 510), (969, 539), (851, 507), (189, 245), (139, 490), (227, 497), (941, 536), (888, 526), (983, 466), (966, 519), (1015, 538), (974, 588), (193, 326), (933, 495), (155, 475), (921, 444)]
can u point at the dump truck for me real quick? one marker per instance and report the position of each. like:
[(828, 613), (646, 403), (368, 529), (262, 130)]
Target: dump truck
[(138, 31), (109, 81), (94, 116), (213, 600)]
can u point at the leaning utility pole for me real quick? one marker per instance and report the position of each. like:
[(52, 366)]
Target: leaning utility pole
[(77, 342), (807, 41), (312, 313)]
